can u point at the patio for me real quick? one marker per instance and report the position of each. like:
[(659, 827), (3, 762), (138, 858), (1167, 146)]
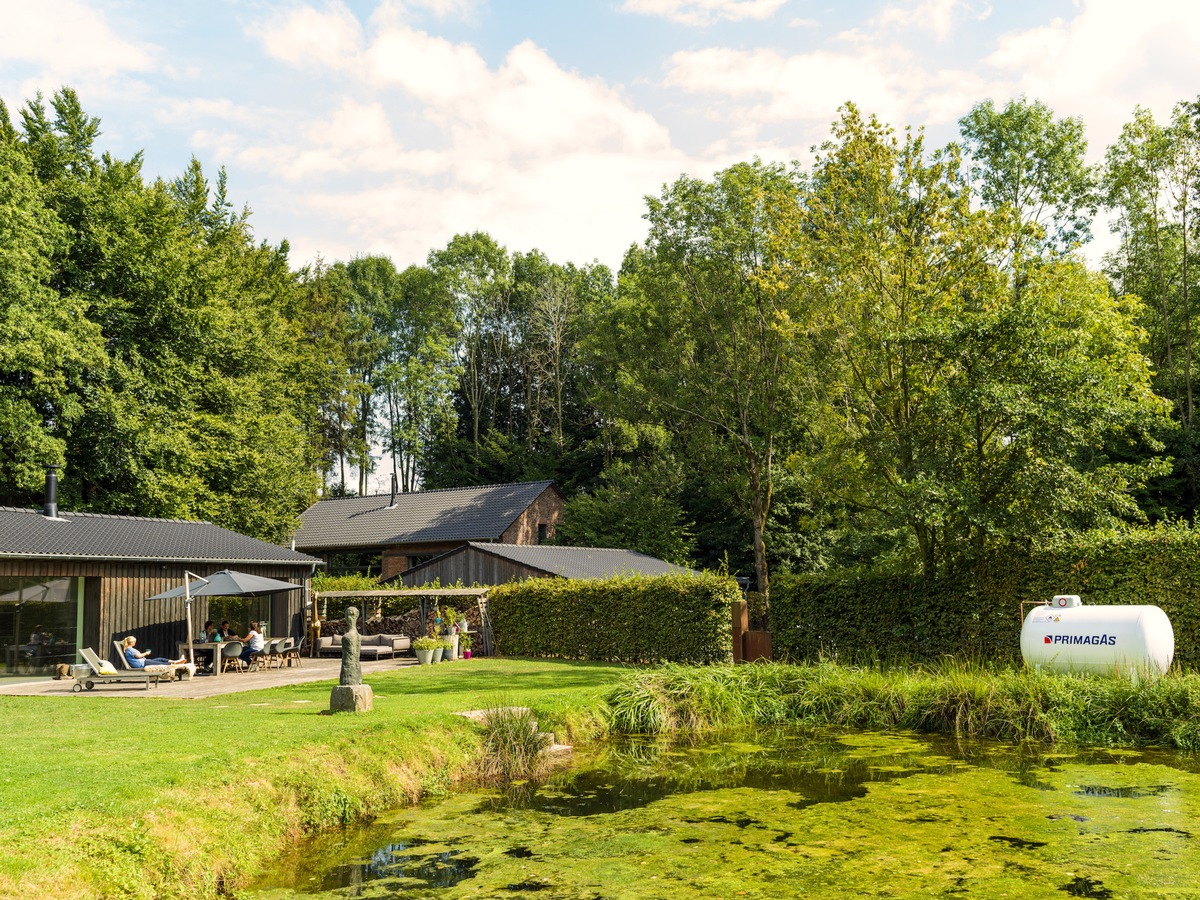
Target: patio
[(203, 686)]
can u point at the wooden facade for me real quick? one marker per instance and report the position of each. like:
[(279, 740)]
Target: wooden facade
[(115, 604), (470, 567)]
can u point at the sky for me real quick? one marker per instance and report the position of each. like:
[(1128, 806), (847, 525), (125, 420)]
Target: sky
[(352, 127)]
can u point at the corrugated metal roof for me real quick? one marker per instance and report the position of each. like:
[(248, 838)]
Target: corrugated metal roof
[(26, 533), (456, 514), (578, 562)]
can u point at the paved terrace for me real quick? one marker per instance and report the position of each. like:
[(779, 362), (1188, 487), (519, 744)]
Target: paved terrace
[(202, 686)]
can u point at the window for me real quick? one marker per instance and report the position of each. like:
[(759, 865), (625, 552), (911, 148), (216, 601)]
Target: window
[(541, 532), (39, 623)]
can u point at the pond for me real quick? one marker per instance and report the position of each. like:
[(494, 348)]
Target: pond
[(781, 815)]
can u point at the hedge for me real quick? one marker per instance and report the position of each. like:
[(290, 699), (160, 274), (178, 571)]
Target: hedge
[(854, 616), (677, 618)]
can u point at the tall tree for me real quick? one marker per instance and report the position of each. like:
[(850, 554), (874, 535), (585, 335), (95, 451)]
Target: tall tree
[(710, 320), (1025, 160), (955, 406)]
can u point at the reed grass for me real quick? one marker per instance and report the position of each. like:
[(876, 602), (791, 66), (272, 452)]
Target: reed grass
[(512, 745), (952, 698)]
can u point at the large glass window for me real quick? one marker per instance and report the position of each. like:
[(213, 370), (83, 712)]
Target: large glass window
[(40, 620)]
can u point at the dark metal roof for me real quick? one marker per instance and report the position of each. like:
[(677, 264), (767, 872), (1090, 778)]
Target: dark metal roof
[(27, 533), (572, 562), (457, 514)]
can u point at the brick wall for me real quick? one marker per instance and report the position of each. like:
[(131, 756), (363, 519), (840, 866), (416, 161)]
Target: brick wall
[(546, 510)]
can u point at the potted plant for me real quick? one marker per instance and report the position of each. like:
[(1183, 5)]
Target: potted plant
[(464, 645), (439, 650), (424, 648), (450, 628)]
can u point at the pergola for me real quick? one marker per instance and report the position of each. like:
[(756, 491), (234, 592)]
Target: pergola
[(423, 595)]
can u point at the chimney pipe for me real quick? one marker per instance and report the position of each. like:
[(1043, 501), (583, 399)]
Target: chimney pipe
[(394, 488), (50, 509)]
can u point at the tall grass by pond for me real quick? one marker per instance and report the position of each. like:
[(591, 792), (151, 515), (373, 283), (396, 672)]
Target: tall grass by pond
[(954, 699)]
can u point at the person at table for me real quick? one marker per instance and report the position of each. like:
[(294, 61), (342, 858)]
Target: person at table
[(209, 633), (139, 660), (255, 643), (225, 631)]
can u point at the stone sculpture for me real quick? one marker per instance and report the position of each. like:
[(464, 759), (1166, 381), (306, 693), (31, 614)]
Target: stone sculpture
[(350, 694)]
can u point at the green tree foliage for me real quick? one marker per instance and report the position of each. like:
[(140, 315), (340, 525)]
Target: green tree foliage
[(1151, 176), (955, 406), (1031, 164), (167, 395), (708, 325)]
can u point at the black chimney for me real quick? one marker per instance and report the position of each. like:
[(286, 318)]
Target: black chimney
[(50, 510), (394, 488)]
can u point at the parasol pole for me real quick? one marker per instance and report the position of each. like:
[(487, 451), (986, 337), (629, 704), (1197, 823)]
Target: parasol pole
[(187, 602)]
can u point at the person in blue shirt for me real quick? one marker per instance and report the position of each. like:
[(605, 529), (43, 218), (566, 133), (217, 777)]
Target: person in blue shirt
[(139, 660)]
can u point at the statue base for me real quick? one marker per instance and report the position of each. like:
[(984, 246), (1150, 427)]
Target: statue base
[(351, 698)]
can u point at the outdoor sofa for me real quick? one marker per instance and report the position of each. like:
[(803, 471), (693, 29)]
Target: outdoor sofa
[(374, 646)]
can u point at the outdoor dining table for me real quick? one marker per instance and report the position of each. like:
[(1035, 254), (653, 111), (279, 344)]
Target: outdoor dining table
[(213, 646)]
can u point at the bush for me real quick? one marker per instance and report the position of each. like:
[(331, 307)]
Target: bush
[(855, 616), (678, 618)]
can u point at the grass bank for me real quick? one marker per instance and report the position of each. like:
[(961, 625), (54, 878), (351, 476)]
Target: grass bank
[(105, 796), (1007, 704)]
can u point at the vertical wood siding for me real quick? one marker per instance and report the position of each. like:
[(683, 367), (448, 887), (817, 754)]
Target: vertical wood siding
[(115, 601)]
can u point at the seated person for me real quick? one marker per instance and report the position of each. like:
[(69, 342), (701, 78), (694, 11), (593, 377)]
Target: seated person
[(255, 643), (225, 631), (138, 660)]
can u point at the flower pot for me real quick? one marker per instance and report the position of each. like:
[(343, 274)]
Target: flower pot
[(437, 655), (466, 654), (451, 652), (424, 657)]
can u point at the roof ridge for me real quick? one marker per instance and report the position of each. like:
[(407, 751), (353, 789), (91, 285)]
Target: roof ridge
[(95, 515), (469, 487), (554, 547)]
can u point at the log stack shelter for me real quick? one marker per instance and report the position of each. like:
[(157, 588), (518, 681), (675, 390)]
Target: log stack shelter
[(388, 534), (70, 580)]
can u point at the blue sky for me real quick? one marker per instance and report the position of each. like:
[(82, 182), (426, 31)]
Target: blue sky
[(353, 126)]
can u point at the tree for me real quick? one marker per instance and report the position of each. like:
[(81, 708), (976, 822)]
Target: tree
[(709, 324), (1026, 161), (954, 405)]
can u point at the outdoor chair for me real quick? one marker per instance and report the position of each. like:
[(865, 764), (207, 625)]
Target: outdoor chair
[(290, 652), (274, 659), (170, 673), (231, 652), (104, 672), (261, 659)]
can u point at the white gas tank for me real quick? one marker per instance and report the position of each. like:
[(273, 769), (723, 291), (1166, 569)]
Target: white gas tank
[(1067, 636)]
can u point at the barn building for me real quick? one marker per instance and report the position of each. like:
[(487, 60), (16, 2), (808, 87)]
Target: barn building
[(486, 564), (389, 534)]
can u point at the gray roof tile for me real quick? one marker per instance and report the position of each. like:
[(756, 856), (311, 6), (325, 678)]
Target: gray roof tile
[(456, 514), (28, 533), (581, 562)]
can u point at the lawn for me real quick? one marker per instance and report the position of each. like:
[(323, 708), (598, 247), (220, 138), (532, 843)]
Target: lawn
[(106, 796)]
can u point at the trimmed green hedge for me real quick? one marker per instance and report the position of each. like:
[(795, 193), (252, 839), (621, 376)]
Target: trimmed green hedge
[(858, 616), (679, 618)]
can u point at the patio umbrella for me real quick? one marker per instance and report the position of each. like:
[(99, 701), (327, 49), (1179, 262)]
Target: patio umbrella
[(226, 583)]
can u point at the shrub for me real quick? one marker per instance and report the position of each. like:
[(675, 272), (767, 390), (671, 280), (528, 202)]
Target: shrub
[(856, 616), (679, 618)]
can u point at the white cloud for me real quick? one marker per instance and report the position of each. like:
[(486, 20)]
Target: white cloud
[(68, 41), (438, 141), (304, 35), (705, 12), (936, 16)]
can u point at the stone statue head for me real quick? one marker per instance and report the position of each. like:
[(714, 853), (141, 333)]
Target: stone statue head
[(351, 616)]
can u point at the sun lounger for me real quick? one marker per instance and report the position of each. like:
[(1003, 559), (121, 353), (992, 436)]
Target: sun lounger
[(182, 670), (104, 672)]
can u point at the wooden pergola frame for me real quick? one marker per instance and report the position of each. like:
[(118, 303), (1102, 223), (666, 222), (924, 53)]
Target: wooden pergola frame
[(423, 596)]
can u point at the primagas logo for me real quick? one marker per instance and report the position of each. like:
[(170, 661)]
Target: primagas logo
[(1091, 639)]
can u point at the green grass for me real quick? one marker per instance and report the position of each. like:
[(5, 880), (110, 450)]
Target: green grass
[(110, 796), (951, 698)]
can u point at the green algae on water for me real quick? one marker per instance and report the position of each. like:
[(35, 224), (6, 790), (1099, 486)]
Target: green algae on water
[(768, 815)]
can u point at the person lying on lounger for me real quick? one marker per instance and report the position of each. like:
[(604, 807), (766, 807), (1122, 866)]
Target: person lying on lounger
[(138, 660)]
